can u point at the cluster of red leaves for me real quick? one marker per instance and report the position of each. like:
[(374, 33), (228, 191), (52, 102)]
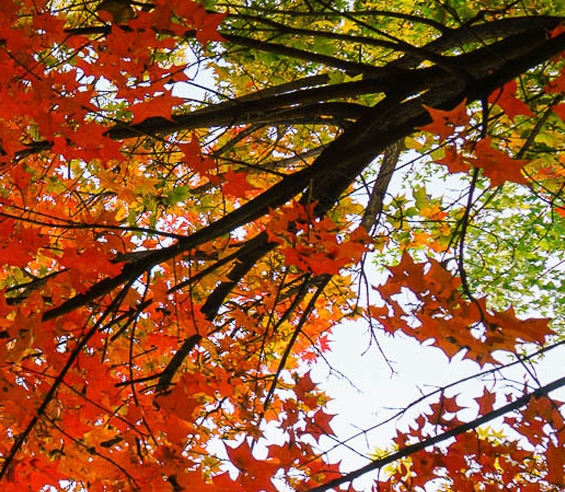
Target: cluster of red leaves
[(82, 384), (441, 314), (312, 244), (54, 94), (533, 462), (64, 371), (453, 126)]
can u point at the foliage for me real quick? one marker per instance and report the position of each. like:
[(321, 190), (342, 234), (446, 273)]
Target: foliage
[(172, 267)]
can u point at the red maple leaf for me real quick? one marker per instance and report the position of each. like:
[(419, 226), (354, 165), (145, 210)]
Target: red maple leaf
[(255, 474), (445, 123), (506, 99), (194, 158), (454, 161), (486, 402), (236, 184), (321, 425), (208, 28), (160, 105), (498, 165), (304, 388)]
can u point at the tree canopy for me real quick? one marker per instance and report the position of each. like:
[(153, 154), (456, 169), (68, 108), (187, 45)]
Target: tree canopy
[(174, 258)]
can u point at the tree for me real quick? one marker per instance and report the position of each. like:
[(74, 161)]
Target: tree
[(172, 268)]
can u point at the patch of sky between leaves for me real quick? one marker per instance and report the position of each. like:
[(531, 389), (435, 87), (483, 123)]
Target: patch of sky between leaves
[(365, 387)]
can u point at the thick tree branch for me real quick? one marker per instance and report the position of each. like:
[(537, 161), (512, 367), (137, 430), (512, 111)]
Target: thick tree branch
[(342, 161)]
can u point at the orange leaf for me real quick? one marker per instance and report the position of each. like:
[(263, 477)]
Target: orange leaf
[(555, 464), (445, 123), (454, 161), (236, 184), (498, 166), (506, 99), (486, 402), (513, 329), (255, 474)]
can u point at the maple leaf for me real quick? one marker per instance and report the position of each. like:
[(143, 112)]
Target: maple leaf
[(304, 389), (236, 183), (498, 165), (407, 272), (285, 455), (486, 402), (160, 105), (321, 425), (208, 28), (454, 160), (512, 329), (205, 23), (506, 99), (255, 474), (445, 123), (194, 157), (357, 243), (441, 282)]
